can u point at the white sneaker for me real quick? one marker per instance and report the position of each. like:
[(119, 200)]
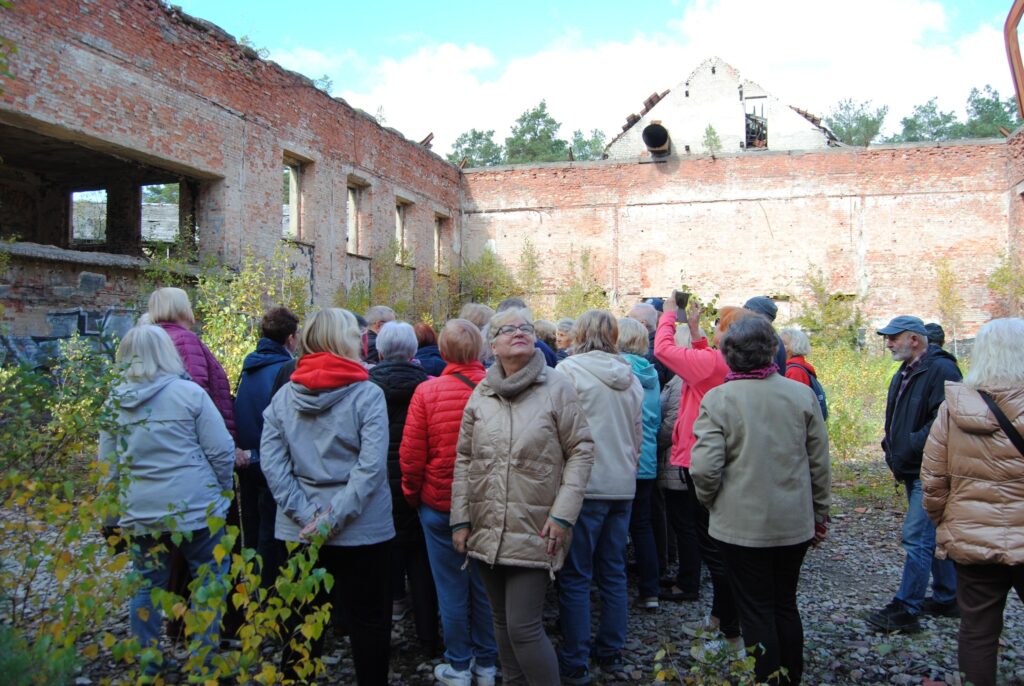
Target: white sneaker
[(706, 628), (485, 676), (445, 674), (719, 648)]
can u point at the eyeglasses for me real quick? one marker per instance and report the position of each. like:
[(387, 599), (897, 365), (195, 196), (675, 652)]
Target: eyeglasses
[(509, 330)]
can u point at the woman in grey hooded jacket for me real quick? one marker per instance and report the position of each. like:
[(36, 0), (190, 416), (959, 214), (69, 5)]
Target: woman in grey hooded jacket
[(178, 456)]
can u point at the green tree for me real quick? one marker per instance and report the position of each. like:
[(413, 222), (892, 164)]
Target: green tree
[(477, 148), (582, 291), (529, 274), (949, 297), (856, 123), (163, 192), (987, 112), (1007, 285), (928, 123), (485, 280), (588, 148), (831, 319), (535, 138), (712, 143)]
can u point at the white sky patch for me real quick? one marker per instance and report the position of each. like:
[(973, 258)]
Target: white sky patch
[(810, 54)]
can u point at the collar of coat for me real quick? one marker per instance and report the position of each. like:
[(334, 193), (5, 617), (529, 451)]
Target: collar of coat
[(511, 386)]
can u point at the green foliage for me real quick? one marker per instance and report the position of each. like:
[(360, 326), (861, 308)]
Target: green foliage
[(228, 306), (721, 668), (529, 275), (1006, 282), (324, 83), (58, 581), (712, 143), (485, 280), (7, 49), (582, 291), (246, 41), (856, 123), (163, 192), (477, 148), (855, 382), (588, 148), (534, 138), (928, 123), (830, 318), (987, 112), (23, 664), (950, 299)]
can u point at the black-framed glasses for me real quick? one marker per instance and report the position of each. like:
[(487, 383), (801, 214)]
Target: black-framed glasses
[(509, 330)]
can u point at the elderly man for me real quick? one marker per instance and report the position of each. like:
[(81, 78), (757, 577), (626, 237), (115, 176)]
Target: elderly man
[(376, 317), (647, 314), (915, 393)]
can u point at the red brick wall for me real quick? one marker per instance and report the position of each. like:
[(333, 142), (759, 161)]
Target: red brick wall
[(741, 225)]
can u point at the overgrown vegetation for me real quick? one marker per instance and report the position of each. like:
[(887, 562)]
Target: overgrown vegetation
[(7, 49), (830, 319), (1006, 282)]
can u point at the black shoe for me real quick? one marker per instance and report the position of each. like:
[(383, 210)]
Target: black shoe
[(677, 595), (578, 677), (611, 666), (894, 617), (932, 607)]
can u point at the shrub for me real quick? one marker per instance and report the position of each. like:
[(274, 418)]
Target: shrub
[(830, 318), (855, 383)]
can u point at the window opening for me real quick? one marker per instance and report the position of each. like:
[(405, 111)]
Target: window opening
[(442, 243), (161, 214), (401, 237), (757, 129), (291, 209), (89, 216)]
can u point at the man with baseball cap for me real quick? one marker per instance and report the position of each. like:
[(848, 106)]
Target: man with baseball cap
[(915, 393)]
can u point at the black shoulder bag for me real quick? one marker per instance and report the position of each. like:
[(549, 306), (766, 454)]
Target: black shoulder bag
[(464, 379), (1007, 427)]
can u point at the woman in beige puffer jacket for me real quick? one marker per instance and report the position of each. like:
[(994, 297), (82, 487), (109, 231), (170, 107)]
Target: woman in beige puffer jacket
[(972, 477)]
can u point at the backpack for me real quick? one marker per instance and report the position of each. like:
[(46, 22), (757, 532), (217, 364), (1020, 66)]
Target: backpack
[(819, 391)]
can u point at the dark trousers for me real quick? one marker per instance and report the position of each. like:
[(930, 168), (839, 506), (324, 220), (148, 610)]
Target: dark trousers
[(680, 509), (666, 548), (641, 530), (764, 582), (981, 592), (723, 605), (362, 586), (409, 560), (258, 512)]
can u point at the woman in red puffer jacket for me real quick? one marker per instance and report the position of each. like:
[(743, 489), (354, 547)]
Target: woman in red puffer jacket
[(427, 459)]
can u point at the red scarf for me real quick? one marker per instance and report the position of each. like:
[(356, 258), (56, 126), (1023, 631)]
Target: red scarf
[(762, 373), (323, 371)]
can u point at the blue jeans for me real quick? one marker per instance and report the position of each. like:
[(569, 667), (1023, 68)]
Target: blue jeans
[(919, 543), (465, 611), (597, 551), (152, 564), (641, 530)]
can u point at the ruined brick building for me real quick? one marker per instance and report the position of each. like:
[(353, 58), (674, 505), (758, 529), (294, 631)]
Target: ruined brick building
[(111, 96)]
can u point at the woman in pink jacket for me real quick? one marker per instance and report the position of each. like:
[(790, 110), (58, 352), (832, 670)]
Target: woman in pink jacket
[(701, 368)]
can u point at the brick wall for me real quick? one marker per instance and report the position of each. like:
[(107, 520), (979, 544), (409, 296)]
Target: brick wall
[(741, 225)]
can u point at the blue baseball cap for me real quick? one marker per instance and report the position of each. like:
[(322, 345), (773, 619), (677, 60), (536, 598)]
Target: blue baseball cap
[(904, 323)]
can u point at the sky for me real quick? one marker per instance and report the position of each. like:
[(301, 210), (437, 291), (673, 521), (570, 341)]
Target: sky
[(447, 67)]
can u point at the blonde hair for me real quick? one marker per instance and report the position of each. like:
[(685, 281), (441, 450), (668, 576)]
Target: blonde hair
[(460, 341), (148, 351), (998, 357), (331, 330), (633, 337), (170, 305), (796, 342), (504, 317), (596, 330), (477, 313)]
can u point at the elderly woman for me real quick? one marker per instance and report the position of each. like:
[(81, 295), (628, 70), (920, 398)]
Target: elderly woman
[(524, 457), (798, 347), (428, 464), (701, 368), (179, 457), (760, 465), (611, 398), (398, 376), (633, 343), (564, 329), (324, 453), (972, 478)]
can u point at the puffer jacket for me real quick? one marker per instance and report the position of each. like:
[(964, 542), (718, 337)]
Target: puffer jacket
[(670, 477), (524, 455), (399, 380), (647, 375), (972, 478), (612, 400), (204, 369), (176, 450), (427, 454)]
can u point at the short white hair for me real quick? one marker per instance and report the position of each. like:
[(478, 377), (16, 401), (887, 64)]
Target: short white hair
[(998, 357), (397, 341), (796, 342), (633, 337), (147, 351), (646, 314), (379, 313), (170, 305)]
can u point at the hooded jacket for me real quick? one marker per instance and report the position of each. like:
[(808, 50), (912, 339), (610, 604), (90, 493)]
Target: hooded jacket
[(909, 415), (398, 380), (612, 399), (647, 375), (177, 452), (972, 478), (204, 369), (255, 387), (524, 455), (430, 359), (427, 453), (325, 445)]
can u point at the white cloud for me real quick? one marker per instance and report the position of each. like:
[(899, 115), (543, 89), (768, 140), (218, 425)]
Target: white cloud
[(807, 52)]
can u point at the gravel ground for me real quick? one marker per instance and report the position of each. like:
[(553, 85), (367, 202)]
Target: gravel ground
[(856, 570)]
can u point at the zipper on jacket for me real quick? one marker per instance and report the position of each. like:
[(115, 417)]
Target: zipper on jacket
[(508, 472)]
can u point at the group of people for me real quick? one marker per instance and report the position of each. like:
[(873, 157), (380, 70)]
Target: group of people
[(458, 472)]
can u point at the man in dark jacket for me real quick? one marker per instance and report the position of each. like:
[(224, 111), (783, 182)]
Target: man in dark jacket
[(255, 389), (915, 393)]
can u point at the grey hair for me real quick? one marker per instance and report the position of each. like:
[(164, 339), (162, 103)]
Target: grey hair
[(796, 342), (379, 313), (566, 325), (632, 337), (998, 357), (647, 314), (147, 352), (397, 341), (502, 318)]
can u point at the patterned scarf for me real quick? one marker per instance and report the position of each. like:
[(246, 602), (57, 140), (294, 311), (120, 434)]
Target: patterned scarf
[(762, 373)]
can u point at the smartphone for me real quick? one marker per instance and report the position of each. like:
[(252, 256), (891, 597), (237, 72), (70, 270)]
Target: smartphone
[(682, 299)]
